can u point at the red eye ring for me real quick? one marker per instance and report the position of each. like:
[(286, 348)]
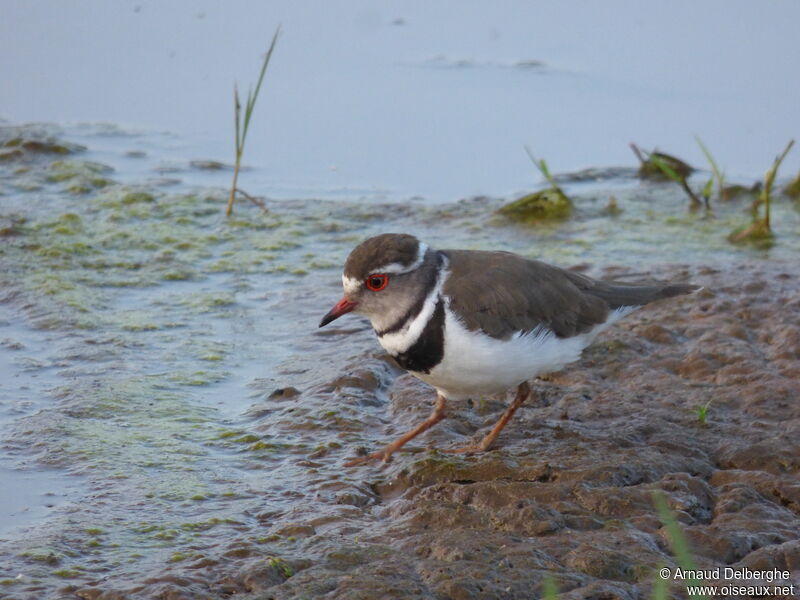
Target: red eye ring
[(376, 282)]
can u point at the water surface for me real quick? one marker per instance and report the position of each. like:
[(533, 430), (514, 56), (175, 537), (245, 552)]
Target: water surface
[(415, 99)]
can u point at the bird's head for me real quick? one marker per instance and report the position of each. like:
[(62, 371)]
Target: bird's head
[(383, 277)]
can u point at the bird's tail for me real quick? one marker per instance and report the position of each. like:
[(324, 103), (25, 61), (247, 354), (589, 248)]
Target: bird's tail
[(618, 294)]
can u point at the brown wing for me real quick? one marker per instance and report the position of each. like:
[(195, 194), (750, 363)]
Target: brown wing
[(501, 293)]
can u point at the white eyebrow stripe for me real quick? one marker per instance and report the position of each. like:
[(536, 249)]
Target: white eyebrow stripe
[(350, 285), (396, 268)]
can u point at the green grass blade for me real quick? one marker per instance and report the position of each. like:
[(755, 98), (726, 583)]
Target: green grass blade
[(249, 105), (678, 543), (708, 188), (549, 588), (242, 125), (769, 178), (675, 176), (769, 181), (661, 586), (705, 150), (266, 61), (541, 165), (545, 171), (718, 174), (237, 118), (251, 98), (533, 159)]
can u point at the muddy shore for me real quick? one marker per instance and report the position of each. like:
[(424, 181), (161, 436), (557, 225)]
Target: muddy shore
[(568, 490), (158, 369)]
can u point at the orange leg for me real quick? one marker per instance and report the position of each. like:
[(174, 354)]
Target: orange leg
[(386, 454), (523, 391)]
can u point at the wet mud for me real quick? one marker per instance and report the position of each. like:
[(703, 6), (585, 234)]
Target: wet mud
[(165, 363), (568, 489)]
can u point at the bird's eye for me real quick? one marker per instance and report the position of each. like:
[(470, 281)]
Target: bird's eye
[(377, 282)]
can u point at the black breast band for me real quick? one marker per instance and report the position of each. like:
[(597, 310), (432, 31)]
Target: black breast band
[(428, 351)]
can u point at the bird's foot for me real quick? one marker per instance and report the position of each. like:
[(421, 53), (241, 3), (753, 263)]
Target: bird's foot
[(471, 449), (384, 455)]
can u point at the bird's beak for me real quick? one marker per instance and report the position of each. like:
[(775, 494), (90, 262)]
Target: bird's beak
[(342, 307)]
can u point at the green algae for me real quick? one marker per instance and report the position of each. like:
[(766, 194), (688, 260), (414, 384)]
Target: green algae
[(261, 445), (281, 567), (68, 573), (208, 524), (139, 281), (137, 197), (42, 555), (112, 429), (211, 350), (138, 321), (208, 301), (12, 225), (167, 535), (196, 378), (544, 205), (9, 155), (759, 232), (28, 141), (184, 275), (253, 442), (79, 177), (27, 184), (228, 434), (64, 170), (179, 556), (651, 165)]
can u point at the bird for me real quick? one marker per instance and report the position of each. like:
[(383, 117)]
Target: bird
[(471, 322)]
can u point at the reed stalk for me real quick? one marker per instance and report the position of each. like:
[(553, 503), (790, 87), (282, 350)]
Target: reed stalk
[(241, 126)]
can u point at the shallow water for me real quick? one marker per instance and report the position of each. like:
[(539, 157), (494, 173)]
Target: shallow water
[(412, 99), (27, 377), (168, 409), (167, 398)]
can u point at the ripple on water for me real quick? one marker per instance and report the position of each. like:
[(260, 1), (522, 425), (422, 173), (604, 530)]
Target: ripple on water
[(170, 359)]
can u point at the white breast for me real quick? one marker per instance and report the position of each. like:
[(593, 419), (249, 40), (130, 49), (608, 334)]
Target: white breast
[(475, 363)]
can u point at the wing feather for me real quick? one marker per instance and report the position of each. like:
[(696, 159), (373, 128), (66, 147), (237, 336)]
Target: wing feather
[(501, 293)]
